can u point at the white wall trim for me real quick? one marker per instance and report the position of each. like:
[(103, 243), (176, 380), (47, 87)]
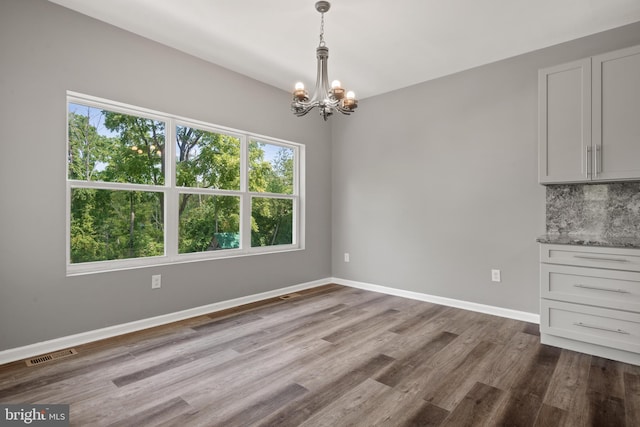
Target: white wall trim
[(466, 305), (43, 347)]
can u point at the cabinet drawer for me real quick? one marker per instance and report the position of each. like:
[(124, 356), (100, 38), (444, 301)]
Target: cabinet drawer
[(590, 256), (609, 328), (606, 288)]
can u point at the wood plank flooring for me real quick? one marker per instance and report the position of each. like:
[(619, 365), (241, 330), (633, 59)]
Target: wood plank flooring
[(333, 356)]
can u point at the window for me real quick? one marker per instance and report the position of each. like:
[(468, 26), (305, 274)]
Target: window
[(271, 172), (146, 188)]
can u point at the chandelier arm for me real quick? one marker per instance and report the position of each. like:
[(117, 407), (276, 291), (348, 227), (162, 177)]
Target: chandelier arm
[(343, 110), (303, 112), (306, 106), (301, 108), (332, 102)]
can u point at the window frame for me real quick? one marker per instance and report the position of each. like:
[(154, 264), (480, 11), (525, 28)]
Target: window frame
[(171, 192)]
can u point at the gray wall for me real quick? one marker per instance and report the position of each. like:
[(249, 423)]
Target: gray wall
[(436, 184), (46, 50)]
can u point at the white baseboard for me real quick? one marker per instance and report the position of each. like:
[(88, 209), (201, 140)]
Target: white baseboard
[(466, 305), (43, 347)]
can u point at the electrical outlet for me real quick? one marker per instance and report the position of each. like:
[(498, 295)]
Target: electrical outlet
[(495, 275), (156, 281), (346, 257)]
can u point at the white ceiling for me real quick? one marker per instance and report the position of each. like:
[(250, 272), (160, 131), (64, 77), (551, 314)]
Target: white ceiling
[(375, 46)]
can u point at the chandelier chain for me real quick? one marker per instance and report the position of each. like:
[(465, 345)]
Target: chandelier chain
[(322, 29)]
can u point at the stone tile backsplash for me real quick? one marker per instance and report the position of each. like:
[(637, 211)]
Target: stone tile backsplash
[(608, 210)]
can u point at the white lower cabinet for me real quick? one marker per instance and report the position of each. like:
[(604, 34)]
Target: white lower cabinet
[(590, 300)]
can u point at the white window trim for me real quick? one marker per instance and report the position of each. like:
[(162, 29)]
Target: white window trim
[(171, 193)]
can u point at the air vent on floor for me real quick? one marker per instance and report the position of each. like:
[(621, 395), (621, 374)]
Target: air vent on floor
[(289, 296), (51, 356)]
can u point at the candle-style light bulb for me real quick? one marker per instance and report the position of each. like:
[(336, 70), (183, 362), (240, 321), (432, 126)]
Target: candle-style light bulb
[(350, 102), (299, 93), (336, 90)]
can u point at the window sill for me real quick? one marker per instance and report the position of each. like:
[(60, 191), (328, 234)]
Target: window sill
[(162, 261)]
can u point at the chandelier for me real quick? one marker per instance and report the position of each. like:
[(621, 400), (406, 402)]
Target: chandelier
[(326, 98)]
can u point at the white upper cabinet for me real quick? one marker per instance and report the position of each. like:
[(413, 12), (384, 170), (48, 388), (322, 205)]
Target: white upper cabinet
[(616, 115), (565, 122), (589, 119)]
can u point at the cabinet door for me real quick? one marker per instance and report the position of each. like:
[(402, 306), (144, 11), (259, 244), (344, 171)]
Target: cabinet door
[(616, 115), (564, 133)]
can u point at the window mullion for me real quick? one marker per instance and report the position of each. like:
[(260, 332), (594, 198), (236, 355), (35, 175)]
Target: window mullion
[(245, 202), (172, 197)]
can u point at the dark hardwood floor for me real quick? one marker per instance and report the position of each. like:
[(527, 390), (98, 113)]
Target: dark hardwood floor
[(333, 356)]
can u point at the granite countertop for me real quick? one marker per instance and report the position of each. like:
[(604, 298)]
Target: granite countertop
[(586, 240)]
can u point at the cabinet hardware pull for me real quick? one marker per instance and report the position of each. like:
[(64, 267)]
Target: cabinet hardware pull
[(587, 161), (598, 160), (584, 325), (595, 258), (619, 291)]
